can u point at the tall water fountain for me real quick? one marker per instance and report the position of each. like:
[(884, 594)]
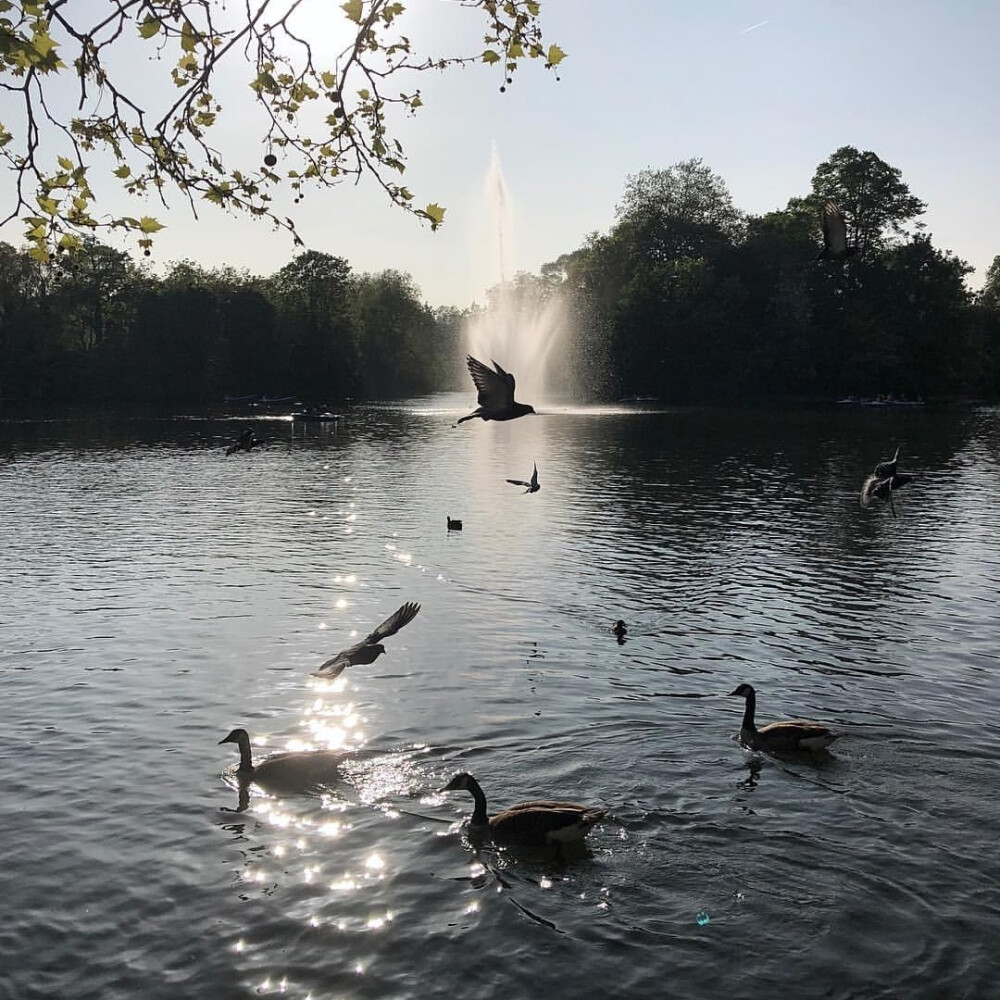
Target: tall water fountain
[(521, 324)]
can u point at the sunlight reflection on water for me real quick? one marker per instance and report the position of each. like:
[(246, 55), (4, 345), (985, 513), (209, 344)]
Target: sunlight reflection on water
[(156, 595)]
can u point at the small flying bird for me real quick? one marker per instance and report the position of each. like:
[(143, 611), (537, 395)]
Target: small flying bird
[(533, 486), (795, 734), (874, 488), (245, 442), (454, 524), (370, 648), (538, 823), (496, 393), (885, 469), (834, 234)]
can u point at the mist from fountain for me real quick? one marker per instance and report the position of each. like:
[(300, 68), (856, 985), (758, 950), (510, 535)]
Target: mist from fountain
[(522, 323)]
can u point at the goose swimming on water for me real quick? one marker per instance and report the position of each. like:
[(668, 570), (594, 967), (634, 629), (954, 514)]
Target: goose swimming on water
[(795, 734), (537, 823), (294, 770), (370, 648)]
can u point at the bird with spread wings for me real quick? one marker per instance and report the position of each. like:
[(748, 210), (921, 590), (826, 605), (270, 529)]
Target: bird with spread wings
[(834, 234), (370, 648), (496, 393), (533, 486)]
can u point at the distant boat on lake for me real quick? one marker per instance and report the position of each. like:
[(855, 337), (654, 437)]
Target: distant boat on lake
[(315, 417), (639, 399), (879, 401)]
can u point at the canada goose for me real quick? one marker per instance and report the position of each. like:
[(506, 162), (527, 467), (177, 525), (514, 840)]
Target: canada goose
[(619, 630), (495, 393), (795, 734), (454, 524), (245, 442), (370, 648), (834, 234), (533, 486), (295, 770), (535, 823)]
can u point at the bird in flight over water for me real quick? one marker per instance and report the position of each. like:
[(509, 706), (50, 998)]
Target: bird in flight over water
[(496, 393), (533, 486), (834, 234), (370, 648)]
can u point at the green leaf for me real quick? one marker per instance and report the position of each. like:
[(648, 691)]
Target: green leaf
[(149, 27), (555, 56), (70, 242), (65, 163), (329, 80), (189, 38), (353, 10), (149, 225), (491, 57), (48, 205), (42, 43), (123, 171), (435, 213)]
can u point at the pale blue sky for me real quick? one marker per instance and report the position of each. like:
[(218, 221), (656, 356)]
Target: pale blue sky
[(762, 90)]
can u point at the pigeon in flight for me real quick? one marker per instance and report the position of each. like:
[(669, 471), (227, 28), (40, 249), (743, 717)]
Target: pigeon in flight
[(370, 648), (496, 393), (885, 469), (247, 441), (533, 486), (834, 234)]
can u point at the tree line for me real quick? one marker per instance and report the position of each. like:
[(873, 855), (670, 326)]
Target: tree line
[(93, 327), (685, 297)]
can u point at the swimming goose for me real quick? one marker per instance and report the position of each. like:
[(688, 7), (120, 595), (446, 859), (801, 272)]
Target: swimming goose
[(295, 770), (533, 486), (370, 648), (795, 734), (834, 234), (495, 393), (538, 823)]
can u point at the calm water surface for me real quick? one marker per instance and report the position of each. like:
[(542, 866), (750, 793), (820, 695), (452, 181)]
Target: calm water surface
[(154, 594)]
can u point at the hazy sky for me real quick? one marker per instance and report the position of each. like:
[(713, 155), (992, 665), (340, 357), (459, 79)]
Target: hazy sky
[(762, 90)]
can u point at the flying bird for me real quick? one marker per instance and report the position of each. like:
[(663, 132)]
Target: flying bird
[(834, 234), (533, 486), (874, 488), (496, 393), (885, 469), (370, 648), (247, 441)]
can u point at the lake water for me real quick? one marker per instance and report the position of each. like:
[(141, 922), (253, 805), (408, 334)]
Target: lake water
[(155, 594)]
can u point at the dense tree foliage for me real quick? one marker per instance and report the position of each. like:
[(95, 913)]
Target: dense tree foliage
[(127, 92), (685, 298), (96, 328), (688, 299)]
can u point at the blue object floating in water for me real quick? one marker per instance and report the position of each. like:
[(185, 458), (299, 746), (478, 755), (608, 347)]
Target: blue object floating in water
[(702, 917)]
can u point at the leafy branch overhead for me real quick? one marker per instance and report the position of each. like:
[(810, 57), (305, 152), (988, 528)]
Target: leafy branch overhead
[(70, 69)]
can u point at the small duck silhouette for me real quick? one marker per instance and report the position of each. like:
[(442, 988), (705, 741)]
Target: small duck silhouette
[(533, 486), (619, 630), (454, 524)]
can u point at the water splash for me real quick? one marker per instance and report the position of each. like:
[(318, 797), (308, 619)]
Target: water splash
[(524, 319)]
